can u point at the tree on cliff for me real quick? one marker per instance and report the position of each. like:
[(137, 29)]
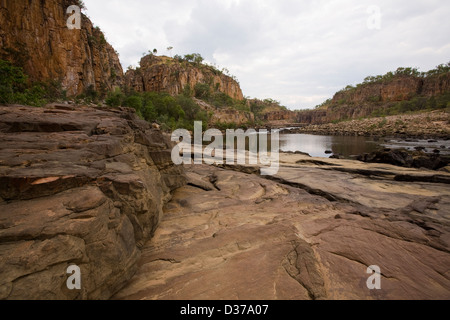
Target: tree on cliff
[(194, 58)]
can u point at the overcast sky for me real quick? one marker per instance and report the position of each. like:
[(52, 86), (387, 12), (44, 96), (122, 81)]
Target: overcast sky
[(297, 52)]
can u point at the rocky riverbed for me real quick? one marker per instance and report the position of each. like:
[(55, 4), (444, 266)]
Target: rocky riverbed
[(426, 125), (95, 187), (309, 232)]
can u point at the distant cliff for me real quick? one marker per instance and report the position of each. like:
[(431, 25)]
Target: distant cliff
[(395, 93), (164, 74), (34, 35)]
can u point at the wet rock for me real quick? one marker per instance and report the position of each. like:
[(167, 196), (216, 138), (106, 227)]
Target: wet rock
[(405, 158), (298, 152)]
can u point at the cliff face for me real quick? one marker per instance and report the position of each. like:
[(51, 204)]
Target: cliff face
[(163, 74), (78, 186), (34, 35), (285, 115), (225, 115), (436, 85), (365, 99), (399, 89)]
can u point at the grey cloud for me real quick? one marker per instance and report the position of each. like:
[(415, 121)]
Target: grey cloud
[(297, 51)]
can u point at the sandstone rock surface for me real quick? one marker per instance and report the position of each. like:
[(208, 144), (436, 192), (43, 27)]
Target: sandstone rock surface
[(309, 232), (79, 186)]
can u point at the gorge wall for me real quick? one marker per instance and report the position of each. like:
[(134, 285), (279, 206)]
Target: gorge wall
[(365, 99), (34, 35), (164, 74)]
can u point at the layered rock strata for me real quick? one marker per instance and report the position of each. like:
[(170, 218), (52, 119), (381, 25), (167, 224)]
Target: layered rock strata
[(78, 186)]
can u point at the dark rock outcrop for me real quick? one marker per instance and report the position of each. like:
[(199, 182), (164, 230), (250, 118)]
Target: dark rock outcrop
[(405, 158), (79, 186)]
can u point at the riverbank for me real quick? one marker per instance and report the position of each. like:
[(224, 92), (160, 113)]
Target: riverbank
[(427, 125), (309, 232)]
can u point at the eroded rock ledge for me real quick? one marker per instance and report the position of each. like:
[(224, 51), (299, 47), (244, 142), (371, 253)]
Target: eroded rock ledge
[(310, 232), (78, 186)]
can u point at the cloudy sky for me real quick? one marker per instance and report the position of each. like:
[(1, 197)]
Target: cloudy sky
[(297, 52)]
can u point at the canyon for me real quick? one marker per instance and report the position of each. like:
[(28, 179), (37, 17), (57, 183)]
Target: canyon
[(96, 187)]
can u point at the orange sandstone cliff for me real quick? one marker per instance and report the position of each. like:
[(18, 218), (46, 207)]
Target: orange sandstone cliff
[(34, 35)]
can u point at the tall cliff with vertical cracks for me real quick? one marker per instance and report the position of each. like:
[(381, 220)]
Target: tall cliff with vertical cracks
[(34, 35)]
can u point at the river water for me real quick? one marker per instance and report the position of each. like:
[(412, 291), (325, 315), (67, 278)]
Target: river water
[(325, 146)]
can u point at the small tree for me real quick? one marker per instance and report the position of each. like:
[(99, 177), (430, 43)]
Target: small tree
[(202, 91)]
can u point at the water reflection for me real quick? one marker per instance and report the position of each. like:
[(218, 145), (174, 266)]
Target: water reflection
[(317, 146)]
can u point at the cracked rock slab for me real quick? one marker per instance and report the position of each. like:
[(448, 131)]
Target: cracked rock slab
[(311, 233)]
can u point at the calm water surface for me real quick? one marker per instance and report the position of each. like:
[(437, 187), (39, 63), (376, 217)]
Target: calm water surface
[(316, 146)]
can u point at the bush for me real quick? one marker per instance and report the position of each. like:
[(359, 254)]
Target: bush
[(135, 101), (12, 82), (202, 91), (170, 112), (115, 98), (15, 88)]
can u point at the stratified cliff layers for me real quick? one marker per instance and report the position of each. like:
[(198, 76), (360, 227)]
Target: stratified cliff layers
[(34, 35), (78, 186)]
